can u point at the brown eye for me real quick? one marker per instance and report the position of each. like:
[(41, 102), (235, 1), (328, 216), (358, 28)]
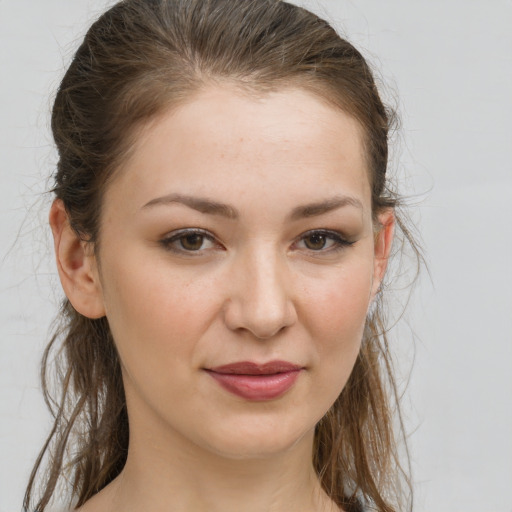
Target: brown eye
[(192, 242), (315, 241), (189, 241), (323, 242)]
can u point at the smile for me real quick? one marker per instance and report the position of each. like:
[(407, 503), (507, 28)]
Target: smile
[(256, 382)]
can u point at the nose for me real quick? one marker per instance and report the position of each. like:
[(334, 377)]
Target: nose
[(259, 301)]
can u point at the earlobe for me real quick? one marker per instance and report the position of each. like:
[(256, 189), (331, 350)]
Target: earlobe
[(382, 247), (76, 264)]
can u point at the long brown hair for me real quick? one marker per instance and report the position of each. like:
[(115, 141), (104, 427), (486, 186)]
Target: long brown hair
[(138, 59)]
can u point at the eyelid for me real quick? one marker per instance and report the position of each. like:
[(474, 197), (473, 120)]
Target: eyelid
[(340, 240), (175, 236)]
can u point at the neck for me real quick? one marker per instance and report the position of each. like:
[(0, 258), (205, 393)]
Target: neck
[(179, 477)]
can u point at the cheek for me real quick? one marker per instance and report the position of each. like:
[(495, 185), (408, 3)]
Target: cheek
[(155, 313), (336, 320), (339, 309)]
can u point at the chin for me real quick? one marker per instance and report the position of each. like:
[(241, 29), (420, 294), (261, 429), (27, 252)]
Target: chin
[(257, 440)]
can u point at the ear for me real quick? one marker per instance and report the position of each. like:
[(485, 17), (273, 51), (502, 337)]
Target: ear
[(76, 264), (382, 246)]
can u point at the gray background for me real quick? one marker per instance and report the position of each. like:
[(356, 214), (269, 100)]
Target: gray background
[(447, 65)]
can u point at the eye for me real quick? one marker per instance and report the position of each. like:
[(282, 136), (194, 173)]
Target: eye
[(322, 241), (315, 241), (192, 242), (189, 241)]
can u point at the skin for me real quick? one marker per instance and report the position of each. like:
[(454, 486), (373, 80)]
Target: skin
[(258, 287)]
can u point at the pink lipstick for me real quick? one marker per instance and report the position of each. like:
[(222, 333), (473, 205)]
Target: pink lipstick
[(256, 381)]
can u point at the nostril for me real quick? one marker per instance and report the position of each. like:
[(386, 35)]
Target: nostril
[(258, 297), (263, 321)]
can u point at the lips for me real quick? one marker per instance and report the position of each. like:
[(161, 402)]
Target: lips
[(256, 382)]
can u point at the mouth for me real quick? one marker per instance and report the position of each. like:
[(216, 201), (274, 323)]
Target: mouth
[(256, 382)]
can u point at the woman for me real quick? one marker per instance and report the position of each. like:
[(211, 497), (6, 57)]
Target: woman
[(222, 228)]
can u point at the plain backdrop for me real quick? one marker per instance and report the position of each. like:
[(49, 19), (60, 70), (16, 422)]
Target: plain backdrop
[(447, 66)]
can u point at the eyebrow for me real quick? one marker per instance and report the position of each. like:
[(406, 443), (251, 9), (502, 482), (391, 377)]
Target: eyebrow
[(201, 204), (321, 207), (209, 206)]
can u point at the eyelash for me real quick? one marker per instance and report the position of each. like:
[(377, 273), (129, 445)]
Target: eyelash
[(339, 242), (181, 234)]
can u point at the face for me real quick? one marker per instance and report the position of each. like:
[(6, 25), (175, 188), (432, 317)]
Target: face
[(237, 262)]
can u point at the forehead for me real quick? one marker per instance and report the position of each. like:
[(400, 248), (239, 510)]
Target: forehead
[(227, 141)]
